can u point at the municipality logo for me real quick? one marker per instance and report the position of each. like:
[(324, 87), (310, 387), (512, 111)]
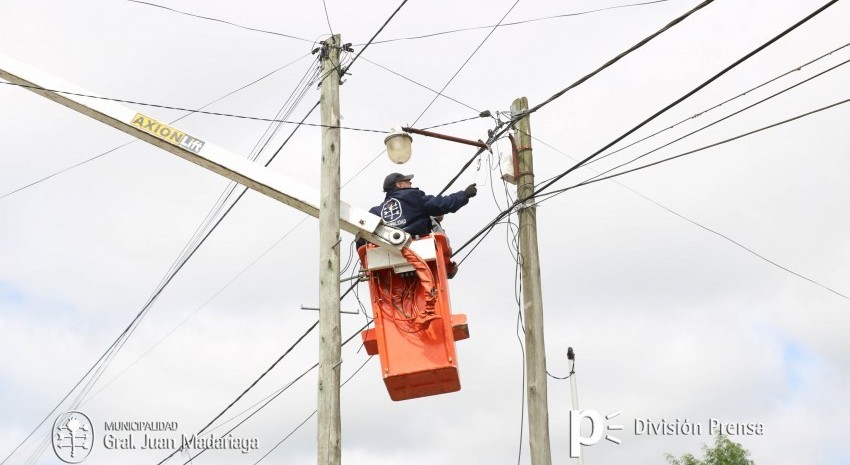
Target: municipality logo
[(72, 437)]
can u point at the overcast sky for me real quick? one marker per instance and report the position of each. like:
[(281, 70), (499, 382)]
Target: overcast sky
[(668, 320)]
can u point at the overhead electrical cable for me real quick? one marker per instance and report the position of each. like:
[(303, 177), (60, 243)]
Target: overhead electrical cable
[(221, 21), (703, 112), (493, 137), (100, 364), (137, 317), (705, 147), (482, 115), (294, 99), (618, 57), (539, 190), (440, 93), (191, 247), (669, 210), (207, 232), (200, 307), (680, 99), (345, 70), (314, 411), (200, 112), (516, 23), (302, 121), (420, 84), (725, 141), (190, 113), (250, 386), (275, 396), (467, 60), (327, 16), (752, 105), (580, 81), (201, 234)]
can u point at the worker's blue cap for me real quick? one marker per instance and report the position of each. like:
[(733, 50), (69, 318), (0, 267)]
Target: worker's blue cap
[(392, 178)]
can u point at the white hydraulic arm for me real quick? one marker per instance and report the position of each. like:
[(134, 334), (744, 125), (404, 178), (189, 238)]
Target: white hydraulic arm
[(171, 139)]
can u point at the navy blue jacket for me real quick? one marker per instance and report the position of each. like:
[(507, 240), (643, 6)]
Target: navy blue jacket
[(411, 209)]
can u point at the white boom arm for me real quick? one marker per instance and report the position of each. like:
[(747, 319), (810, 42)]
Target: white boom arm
[(200, 152)]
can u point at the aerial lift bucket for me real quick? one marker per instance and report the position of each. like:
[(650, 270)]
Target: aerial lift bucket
[(415, 331)]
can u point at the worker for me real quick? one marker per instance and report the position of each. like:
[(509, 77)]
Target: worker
[(408, 208)]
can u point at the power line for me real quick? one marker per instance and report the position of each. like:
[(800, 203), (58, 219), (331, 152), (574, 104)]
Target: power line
[(275, 396), (572, 86), (208, 232), (186, 258), (649, 119), (201, 112), (216, 294), (191, 112), (99, 366), (136, 319), (250, 386), (467, 60), (311, 415), (681, 216), (516, 23), (266, 403), (720, 120), (618, 57), (494, 135), (221, 21), (344, 71), (700, 113), (420, 84), (682, 98), (560, 191), (725, 141), (484, 114), (327, 17), (294, 99)]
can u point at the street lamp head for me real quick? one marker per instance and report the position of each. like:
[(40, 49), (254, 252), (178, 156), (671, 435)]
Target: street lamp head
[(399, 146)]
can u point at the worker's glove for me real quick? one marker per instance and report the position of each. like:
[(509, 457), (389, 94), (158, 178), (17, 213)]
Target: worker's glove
[(471, 191)]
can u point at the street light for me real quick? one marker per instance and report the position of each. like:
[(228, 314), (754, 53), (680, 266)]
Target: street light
[(399, 146), (399, 143)]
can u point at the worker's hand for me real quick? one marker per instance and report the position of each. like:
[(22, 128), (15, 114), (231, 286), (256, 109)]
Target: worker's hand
[(471, 191)]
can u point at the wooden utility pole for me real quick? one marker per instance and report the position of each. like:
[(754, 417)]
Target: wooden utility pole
[(532, 294), (329, 325)]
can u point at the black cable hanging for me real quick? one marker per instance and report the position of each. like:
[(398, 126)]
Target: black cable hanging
[(539, 190)]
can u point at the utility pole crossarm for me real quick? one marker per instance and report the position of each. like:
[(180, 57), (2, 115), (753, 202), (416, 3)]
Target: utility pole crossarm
[(200, 152)]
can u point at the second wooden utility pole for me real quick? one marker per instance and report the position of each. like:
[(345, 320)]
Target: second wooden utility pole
[(329, 434), (532, 294)]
